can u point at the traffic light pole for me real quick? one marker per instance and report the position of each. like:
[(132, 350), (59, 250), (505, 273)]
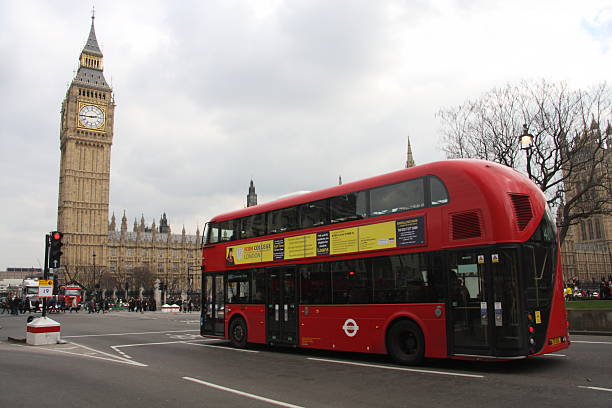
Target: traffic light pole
[(46, 271)]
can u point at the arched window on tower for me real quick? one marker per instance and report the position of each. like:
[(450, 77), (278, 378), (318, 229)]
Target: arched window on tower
[(590, 228), (583, 230)]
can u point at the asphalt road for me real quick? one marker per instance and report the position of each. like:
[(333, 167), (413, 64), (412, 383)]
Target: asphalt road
[(148, 360)]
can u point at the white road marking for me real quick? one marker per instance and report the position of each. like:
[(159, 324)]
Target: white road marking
[(223, 348), (415, 370), (117, 347), (596, 388), (96, 354), (120, 352), (554, 355), (591, 342), (244, 394), (127, 334)]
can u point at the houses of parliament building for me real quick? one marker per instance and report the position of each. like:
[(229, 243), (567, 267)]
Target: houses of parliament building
[(96, 250)]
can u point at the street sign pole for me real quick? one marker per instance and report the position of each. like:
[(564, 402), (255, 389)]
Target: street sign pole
[(46, 271)]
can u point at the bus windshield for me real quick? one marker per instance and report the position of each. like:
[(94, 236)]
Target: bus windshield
[(72, 292)]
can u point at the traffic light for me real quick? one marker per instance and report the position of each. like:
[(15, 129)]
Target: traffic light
[(55, 249)]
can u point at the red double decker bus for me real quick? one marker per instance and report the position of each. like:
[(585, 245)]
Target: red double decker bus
[(69, 294), (451, 259)]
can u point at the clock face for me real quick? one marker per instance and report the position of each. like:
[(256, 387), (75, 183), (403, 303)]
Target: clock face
[(91, 116)]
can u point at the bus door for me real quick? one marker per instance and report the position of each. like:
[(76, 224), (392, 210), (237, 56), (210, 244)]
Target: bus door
[(485, 316), (282, 316), (214, 304)]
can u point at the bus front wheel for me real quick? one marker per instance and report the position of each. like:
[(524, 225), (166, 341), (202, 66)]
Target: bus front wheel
[(405, 343), (238, 332)]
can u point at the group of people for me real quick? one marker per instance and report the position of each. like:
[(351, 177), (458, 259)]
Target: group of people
[(184, 305), (141, 305), (602, 290), (15, 305)]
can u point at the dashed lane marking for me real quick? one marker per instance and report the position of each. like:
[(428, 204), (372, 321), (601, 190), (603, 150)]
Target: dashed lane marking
[(223, 348), (186, 336), (554, 355), (128, 334), (242, 393), (591, 342), (414, 370), (596, 388)]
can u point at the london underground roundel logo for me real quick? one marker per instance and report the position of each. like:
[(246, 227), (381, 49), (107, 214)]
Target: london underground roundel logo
[(350, 327)]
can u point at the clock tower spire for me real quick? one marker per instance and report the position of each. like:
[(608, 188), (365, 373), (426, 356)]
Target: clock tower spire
[(86, 136)]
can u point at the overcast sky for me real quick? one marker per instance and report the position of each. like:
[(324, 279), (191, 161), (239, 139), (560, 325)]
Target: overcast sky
[(292, 94)]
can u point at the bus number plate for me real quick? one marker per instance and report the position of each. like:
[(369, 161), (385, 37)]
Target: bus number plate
[(555, 340)]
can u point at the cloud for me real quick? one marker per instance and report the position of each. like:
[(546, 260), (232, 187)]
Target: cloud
[(290, 93)]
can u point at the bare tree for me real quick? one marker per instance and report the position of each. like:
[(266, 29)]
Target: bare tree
[(107, 280), (568, 153), (143, 277)]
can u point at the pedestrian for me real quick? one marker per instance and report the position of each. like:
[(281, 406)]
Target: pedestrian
[(15, 306), (5, 306)]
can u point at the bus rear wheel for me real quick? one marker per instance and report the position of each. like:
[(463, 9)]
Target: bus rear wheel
[(238, 333), (405, 343)]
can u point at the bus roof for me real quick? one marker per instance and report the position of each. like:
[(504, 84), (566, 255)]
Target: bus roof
[(442, 169)]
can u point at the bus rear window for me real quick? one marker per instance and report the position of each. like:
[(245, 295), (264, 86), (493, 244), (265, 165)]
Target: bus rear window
[(439, 195)]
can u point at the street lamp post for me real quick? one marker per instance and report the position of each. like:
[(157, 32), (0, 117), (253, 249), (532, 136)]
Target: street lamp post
[(526, 140), (94, 273)]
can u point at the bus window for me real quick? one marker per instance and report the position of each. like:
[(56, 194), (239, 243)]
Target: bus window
[(438, 192), (213, 233), (314, 214), (405, 278), (315, 284), (404, 196), (227, 229), (351, 282), (238, 287), (253, 226), (258, 285), (349, 207), (285, 219)]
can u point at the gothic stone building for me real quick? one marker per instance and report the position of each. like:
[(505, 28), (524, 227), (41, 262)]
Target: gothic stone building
[(86, 137), (587, 251)]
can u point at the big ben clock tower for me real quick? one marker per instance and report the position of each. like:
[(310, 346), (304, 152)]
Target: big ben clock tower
[(86, 136)]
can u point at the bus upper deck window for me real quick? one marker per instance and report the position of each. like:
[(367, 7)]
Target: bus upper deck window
[(285, 219), (213, 233), (314, 214), (227, 230), (348, 207), (404, 196), (439, 195)]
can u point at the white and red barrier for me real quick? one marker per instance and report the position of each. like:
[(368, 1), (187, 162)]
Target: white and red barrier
[(170, 308), (43, 331)]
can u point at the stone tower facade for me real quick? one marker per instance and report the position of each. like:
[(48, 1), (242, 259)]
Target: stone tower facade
[(251, 197), (586, 253), (409, 158), (86, 137)]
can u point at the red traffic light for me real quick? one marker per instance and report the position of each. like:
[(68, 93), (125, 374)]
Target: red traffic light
[(56, 235)]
